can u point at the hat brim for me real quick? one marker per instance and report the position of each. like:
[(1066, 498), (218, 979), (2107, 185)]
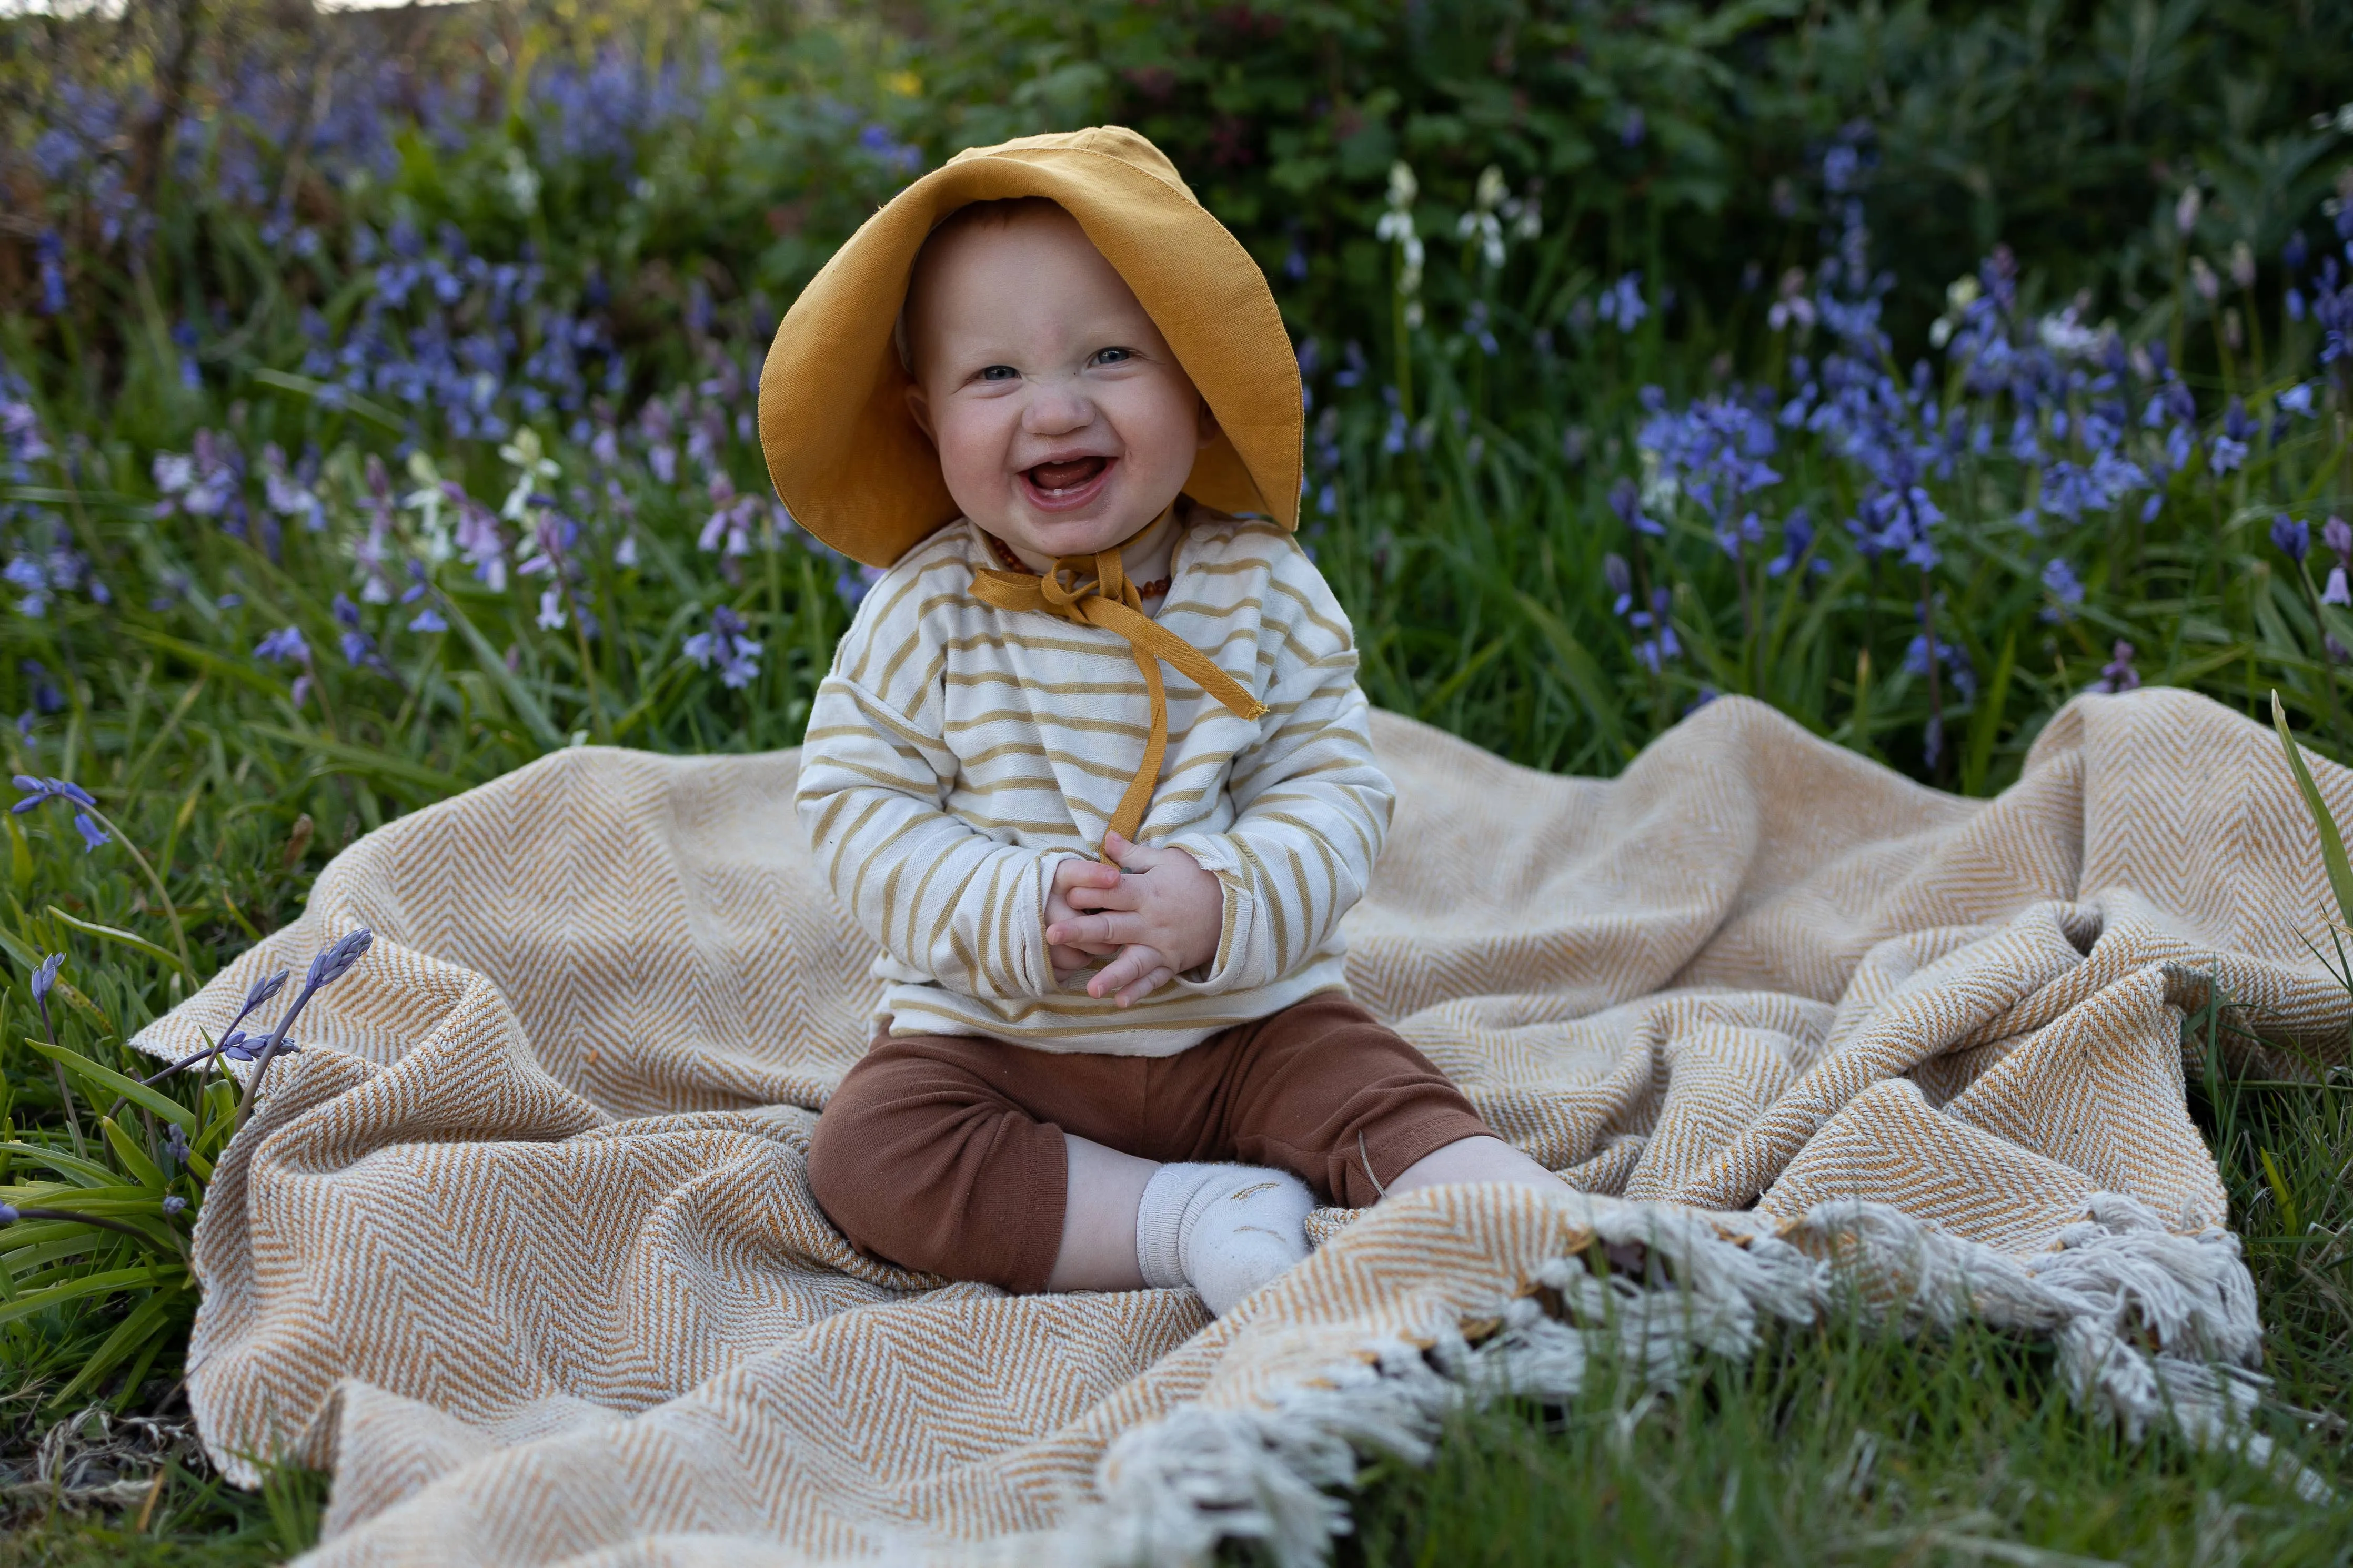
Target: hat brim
[(846, 455)]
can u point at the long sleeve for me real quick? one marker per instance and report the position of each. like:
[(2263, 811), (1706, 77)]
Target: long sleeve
[(960, 750), (1311, 809), (947, 901)]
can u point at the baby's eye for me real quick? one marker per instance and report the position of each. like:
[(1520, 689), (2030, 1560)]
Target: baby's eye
[(999, 372), (1113, 356)]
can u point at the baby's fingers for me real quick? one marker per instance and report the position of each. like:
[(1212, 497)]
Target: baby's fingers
[(1102, 931), (1144, 987), (1133, 962)]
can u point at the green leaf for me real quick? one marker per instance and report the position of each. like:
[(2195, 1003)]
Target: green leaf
[(361, 759), (83, 1171), (2289, 1216), (1581, 674), (1986, 722), (134, 1159), (111, 934), (494, 666), (2332, 842), (334, 397), (162, 1276), (113, 1082), (148, 1319)]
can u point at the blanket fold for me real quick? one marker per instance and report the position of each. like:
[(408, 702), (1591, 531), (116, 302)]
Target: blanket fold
[(521, 1243)]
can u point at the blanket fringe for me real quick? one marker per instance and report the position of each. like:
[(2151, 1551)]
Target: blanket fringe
[(1275, 1472)]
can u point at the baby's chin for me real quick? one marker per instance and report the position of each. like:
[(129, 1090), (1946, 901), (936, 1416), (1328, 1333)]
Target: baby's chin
[(1060, 536)]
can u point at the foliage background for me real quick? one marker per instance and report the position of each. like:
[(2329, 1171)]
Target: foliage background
[(376, 395)]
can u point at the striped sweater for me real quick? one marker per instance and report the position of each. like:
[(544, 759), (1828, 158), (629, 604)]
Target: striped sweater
[(956, 753)]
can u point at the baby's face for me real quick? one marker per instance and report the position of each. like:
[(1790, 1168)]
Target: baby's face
[(1064, 424)]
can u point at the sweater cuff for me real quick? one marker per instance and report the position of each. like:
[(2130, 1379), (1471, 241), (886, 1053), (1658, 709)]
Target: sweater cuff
[(1235, 964)]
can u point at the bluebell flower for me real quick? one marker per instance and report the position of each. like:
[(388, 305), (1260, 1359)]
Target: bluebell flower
[(284, 646), (51, 251), (2296, 399), (2335, 591), (44, 977), (1626, 500), (174, 1203), (427, 620), (736, 656), (2293, 536), (2066, 589), (92, 834), (1797, 539), (2118, 674), (39, 792), (1622, 303)]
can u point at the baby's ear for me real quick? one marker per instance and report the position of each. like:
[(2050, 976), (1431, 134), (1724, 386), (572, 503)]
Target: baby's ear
[(919, 409), (1208, 422)]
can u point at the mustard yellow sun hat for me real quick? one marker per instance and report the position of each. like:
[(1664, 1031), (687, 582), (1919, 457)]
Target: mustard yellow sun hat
[(848, 460)]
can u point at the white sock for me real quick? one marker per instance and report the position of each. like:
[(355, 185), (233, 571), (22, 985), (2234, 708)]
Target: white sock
[(1225, 1230)]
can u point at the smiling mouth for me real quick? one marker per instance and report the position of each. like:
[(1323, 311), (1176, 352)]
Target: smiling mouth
[(1067, 483)]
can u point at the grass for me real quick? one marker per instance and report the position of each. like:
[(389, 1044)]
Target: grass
[(1469, 503)]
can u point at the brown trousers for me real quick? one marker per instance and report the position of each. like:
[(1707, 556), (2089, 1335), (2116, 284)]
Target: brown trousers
[(944, 1152)]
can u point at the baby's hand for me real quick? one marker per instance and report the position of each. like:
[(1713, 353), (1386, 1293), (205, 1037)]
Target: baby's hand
[(1069, 876), (1163, 913)]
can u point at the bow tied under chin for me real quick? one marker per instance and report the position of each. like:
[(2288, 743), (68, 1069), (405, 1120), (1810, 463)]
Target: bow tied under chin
[(1107, 599)]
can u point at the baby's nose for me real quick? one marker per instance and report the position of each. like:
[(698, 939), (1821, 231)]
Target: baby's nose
[(1057, 408)]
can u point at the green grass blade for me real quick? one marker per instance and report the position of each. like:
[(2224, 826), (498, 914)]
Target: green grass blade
[(134, 1159), (145, 1321), (113, 1082), (161, 1276), (2332, 842), (495, 665), (361, 758), (1581, 674), (115, 933)]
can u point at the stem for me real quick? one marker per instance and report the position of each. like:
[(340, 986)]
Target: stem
[(1936, 686), (171, 910), (132, 1231), (65, 1092), (599, 723)]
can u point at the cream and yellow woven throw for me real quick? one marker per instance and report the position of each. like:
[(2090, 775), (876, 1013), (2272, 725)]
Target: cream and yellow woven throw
[(521, 1245)]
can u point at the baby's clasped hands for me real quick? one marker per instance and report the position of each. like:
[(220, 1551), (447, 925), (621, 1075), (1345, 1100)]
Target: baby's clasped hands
[(1158, 911)]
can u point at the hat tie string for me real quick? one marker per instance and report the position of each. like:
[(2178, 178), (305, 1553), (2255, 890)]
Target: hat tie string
[(1108, 600)]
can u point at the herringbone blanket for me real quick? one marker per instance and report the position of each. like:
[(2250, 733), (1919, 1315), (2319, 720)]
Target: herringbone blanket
[(522, 1244)]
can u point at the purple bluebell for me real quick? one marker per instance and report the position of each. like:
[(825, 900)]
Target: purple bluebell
[(284, 646), (39, 792), (1626, 500), (724, 645), (2296, 399), (174, 1203), (2118, 674), (1619, 579), (44, 977), (51, 253), (2291, 535), (1622, 303), (1797, 541), (2066, 589), (92, 834)]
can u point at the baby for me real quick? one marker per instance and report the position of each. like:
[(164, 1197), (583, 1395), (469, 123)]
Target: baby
[(1091, 763)]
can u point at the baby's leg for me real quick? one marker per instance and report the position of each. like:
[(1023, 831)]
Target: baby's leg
[(1105, 1188), (947, 1154), (1485, 1158)]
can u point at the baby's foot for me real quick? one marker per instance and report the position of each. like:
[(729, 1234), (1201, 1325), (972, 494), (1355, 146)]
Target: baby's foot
[(1225, 1230)]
